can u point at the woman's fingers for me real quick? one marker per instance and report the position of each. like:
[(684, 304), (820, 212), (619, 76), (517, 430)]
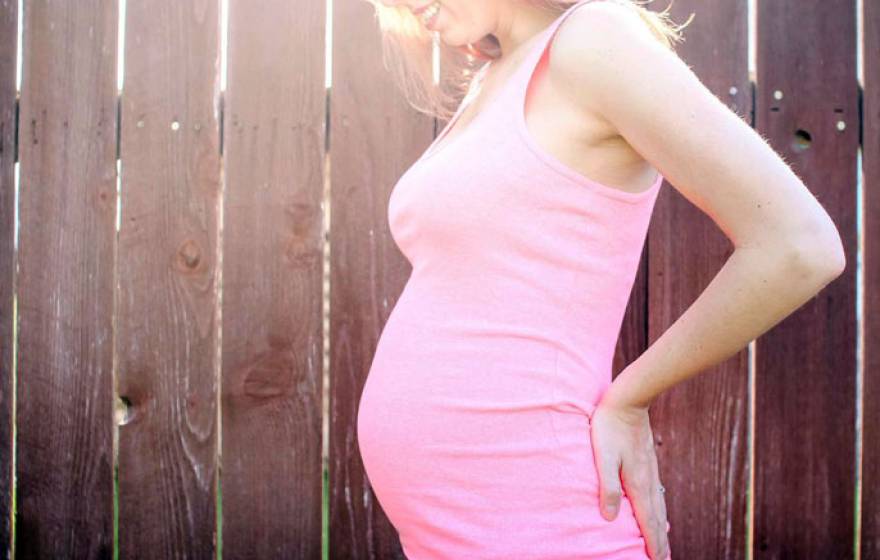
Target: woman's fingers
[(623, 447), (608, 464), (660, 496), (640, 474)]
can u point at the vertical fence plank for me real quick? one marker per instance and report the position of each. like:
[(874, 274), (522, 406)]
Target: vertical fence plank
[(701, 425), (65, 280), (870, 484), (8, 101), (167, 319), (805, 380), (375, 136), (274, 112)]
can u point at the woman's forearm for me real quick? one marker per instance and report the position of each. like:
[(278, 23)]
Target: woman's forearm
[(753, 291)]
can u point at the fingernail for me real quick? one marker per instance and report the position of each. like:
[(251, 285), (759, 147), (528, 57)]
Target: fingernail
[(611, 510)]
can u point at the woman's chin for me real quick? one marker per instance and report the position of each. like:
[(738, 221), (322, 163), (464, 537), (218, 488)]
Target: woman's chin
[(449, 38)]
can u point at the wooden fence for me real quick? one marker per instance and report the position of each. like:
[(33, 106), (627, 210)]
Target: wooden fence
[(173, 382)]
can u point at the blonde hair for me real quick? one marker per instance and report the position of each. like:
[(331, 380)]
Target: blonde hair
[(407, 52)]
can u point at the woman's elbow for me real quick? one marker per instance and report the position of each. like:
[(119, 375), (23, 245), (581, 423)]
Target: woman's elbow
[(821, 250)]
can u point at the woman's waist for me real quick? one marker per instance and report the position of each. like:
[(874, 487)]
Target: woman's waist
[(465, 340), (484, 372), (489, 318)]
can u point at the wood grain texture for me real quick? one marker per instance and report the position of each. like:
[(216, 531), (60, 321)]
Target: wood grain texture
[(167, 305), (701, 426), (806, 369), (65, 280), (8, 156), (222, 226), (273, 240), (870, 483), (374, 138)]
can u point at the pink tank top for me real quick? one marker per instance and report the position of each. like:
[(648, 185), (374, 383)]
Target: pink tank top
[(473, 420), (506, 240)]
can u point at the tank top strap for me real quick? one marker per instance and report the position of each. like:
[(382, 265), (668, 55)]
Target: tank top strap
[(523, 75), (512, 93)]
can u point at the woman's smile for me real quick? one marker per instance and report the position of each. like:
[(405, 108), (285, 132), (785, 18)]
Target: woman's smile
[(429, 15)]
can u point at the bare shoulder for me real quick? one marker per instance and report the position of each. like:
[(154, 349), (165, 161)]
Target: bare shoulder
[(620, 19), (601, 38), (608, 62), (620, 14)]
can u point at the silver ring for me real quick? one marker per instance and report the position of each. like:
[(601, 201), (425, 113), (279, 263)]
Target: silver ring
[(662, 489)]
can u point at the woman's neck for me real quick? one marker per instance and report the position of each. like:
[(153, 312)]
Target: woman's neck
[(519, 23)]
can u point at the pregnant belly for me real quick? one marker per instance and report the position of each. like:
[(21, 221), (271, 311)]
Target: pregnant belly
[(477, 450), (475, 430), (439, 392)]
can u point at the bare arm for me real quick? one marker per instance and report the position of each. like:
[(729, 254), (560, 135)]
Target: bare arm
[(786, 246)]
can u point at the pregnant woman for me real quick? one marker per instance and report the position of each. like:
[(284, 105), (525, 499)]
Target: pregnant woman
[(489, 425)]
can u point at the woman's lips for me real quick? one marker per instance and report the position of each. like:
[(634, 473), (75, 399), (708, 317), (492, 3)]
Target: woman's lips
[(429, 15)]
